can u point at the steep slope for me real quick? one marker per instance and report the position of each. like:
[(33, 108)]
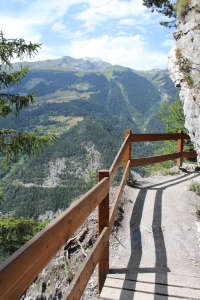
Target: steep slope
[(89, 111), (118, 95), (62, 172), (184, 63)]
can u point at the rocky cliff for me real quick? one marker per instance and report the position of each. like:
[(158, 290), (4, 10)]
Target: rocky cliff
[(184, 65)]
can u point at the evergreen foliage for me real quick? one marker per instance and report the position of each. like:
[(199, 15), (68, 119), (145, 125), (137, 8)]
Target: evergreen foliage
[(15, 233), (172, 116), (165, 7), (13, 142), (105, 106)]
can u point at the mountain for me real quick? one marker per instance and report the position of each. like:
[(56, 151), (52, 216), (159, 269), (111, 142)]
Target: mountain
[(89, 104), (68, 63)]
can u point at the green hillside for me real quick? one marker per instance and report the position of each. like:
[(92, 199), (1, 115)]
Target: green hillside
[(89, 111)]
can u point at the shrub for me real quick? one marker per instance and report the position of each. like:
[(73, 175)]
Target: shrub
[(195, 187), (182, 7)]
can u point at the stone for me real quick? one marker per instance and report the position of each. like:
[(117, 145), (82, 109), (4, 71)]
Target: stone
[(187, 37)]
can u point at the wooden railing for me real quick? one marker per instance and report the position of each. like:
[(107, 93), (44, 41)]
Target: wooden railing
[(21, 268)]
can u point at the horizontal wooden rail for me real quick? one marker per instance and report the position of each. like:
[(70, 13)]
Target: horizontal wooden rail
[(150, 137), (189, 154), (153, 159), (80, 280), (120, 155), (137, 162), (21, 268), (118, 196)]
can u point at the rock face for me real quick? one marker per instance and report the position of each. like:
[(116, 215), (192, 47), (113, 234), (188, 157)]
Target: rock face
[(184, 68)]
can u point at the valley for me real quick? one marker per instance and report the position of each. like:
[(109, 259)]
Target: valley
[(88, 104)]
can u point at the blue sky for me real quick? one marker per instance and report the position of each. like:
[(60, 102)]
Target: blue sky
[(122, 32)]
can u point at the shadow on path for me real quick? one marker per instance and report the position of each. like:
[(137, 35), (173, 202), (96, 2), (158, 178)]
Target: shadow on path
[(137, 240)]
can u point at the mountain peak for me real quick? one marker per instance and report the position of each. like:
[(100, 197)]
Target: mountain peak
[(68, 63), (86, 63)]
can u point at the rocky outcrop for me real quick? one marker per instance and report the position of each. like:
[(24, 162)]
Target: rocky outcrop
[(184, 67)]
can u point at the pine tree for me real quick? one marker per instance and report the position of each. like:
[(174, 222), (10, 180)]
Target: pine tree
[(165, 7), (13, 142)]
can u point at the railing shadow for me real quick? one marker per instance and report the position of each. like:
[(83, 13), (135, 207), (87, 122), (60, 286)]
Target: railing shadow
[(137, 241)]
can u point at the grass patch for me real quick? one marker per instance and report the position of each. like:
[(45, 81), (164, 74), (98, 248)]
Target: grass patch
[(158, 169), (182, 7), (74, 121), (33, 82), (195, 187), (60, 118), (166, 171), (65, 124), (197, 8), (108, 72), (197, 211)]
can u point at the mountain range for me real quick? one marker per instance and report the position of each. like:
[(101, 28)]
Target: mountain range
[(88, 103)]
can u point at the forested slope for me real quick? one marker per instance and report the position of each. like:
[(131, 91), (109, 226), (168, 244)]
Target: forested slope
[(89, 110)]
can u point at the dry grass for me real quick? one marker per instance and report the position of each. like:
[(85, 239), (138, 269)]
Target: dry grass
[(182, 7), (60, 118), (66, 96), (74, 121)]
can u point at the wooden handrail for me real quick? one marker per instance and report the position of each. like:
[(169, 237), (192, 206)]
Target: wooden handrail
[(118, 159), (79, 282), (137, 162), (21, 268), (152, 137)]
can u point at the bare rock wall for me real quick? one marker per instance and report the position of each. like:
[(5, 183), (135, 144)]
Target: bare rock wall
[(184, 68)]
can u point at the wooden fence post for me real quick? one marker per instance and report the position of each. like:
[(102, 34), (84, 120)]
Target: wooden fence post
[(127, 155), (103, 221), (180, 149)]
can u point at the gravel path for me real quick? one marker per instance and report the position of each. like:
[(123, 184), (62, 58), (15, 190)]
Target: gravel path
[(159, 230), (155, 231)]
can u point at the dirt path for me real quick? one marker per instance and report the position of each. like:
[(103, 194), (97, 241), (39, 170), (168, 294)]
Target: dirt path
[(159, 231), (155, 232)]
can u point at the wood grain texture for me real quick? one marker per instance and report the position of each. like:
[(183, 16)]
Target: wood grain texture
[(118, 196), (153, 159), (118, 159), (127, 155), (80, 280), (148, 137), (103, 221), (180, 149), (189, 154), (20, 269)]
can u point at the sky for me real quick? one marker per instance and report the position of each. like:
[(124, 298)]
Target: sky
[(122, 32)]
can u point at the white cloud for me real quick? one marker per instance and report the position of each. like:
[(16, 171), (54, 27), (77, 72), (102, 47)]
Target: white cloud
[(115, 40), (126, 51), (45, 53), (58, 27), (20, 1), (28, 24), (104, 10), (19, 28), (168, 43), (127, 22)]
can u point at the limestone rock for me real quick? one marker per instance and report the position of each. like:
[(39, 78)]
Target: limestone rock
[(184, 69)]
